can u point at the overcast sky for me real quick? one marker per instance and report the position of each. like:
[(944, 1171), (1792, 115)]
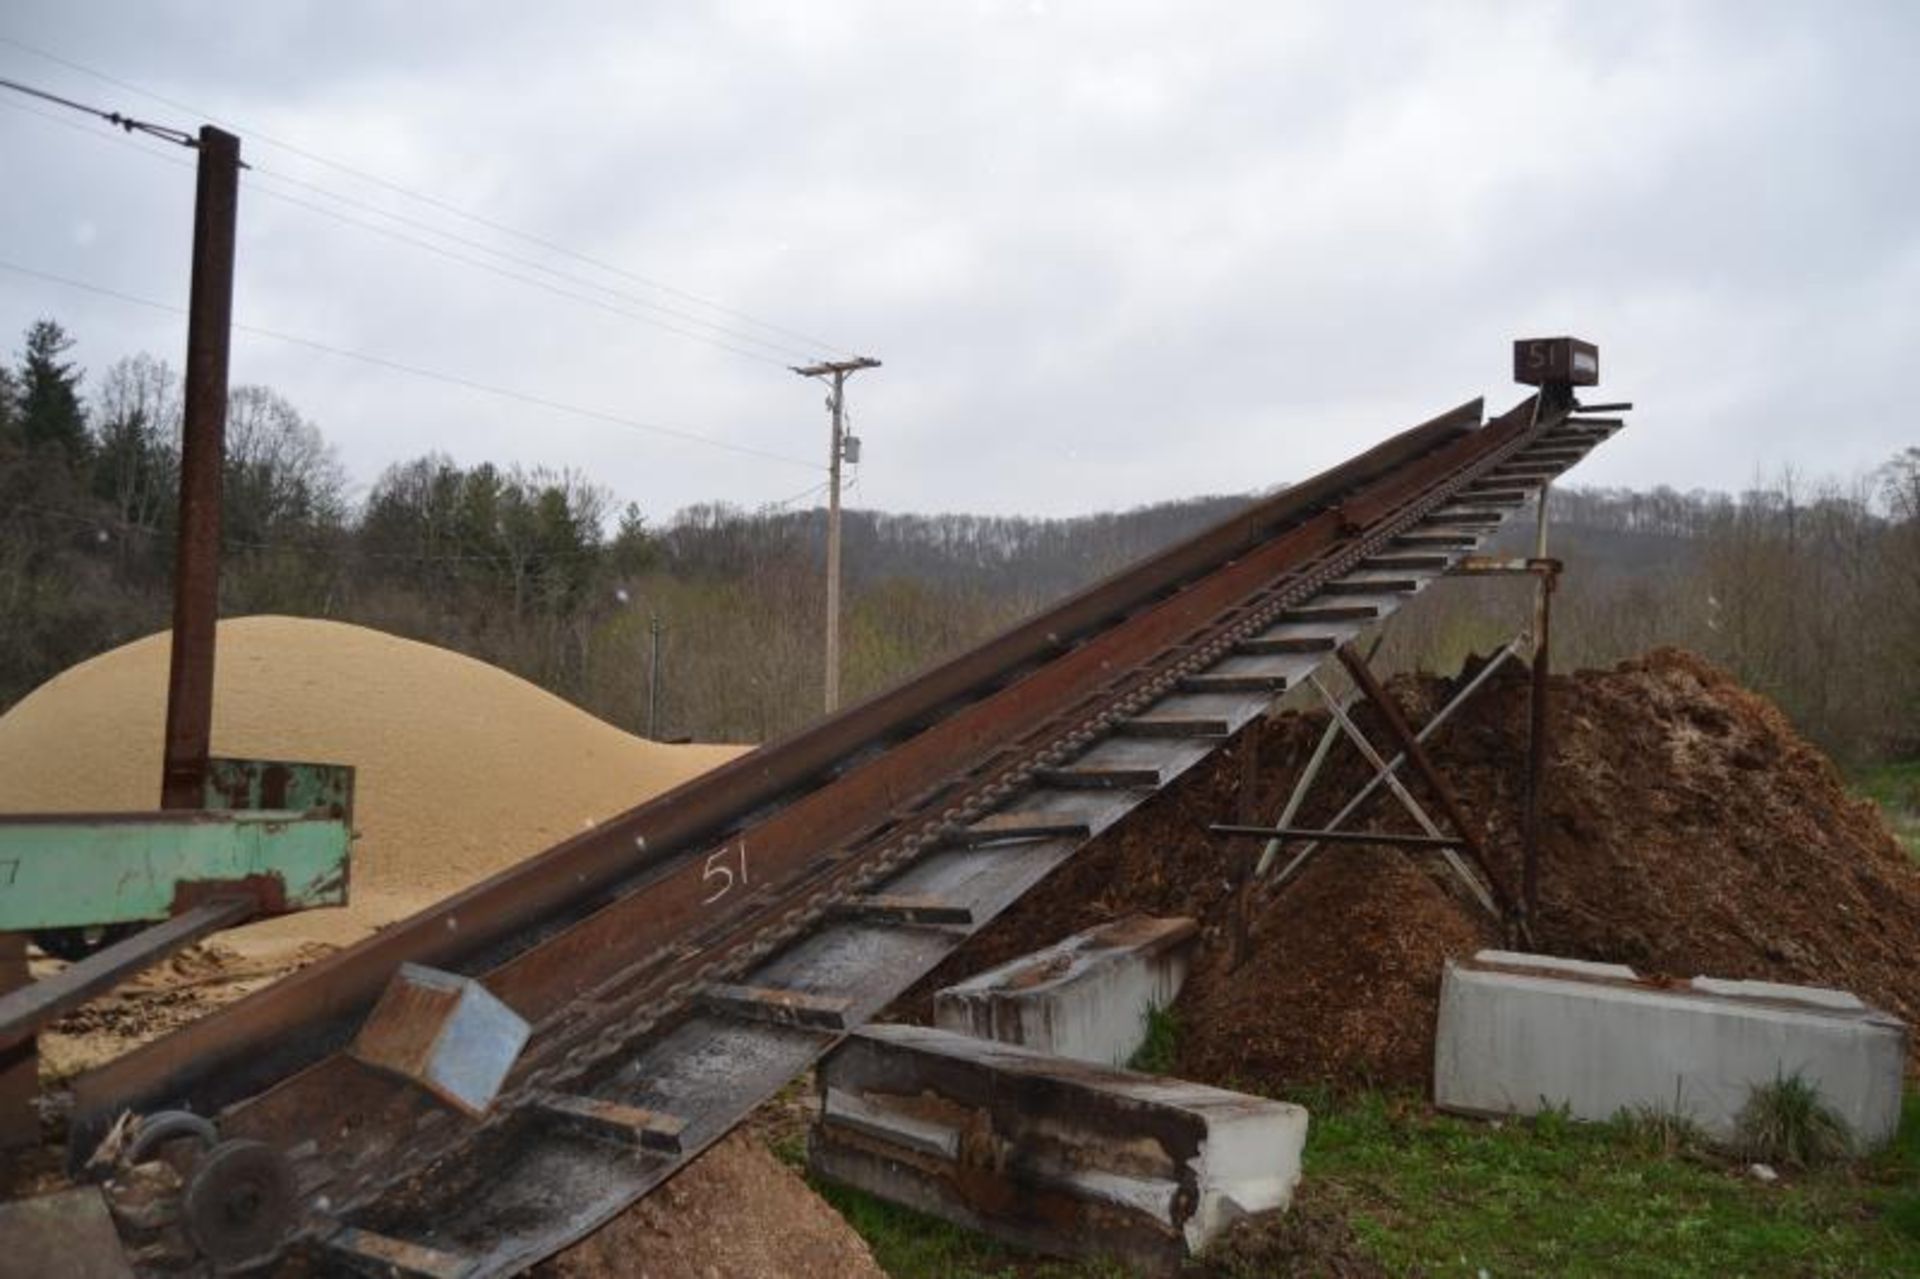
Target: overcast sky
[(1109, 253)]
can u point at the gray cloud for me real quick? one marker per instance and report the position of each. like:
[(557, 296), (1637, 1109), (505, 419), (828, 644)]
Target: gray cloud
[(1110, 253)]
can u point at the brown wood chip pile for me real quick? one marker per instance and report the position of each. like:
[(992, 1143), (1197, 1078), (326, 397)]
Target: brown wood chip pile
[(1689, 830), (737, 1212)]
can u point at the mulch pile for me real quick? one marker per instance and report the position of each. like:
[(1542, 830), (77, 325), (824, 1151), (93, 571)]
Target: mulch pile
[(1688, 829)]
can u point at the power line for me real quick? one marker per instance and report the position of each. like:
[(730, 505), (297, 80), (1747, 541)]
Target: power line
[(435, 202), (484, 247), (459, 258), (165, 157), (452, 379), (179, 137), (477, 264)]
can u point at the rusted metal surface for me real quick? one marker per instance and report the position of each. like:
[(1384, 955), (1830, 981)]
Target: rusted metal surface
[(1539, 736), (1556, 361), (946, 804), (24, 1010), (445, 1033), (20, 1060), (274, 1032), (1336, 836), (196, 574)]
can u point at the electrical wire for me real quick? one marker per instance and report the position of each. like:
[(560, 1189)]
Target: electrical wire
[(179, 137), (530, 263), (255, 185), (557, 291), (437, 203), (452, 379)]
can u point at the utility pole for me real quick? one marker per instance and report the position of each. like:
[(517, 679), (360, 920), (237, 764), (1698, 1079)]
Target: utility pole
[(196, 573), (837, 451), (654, 627)]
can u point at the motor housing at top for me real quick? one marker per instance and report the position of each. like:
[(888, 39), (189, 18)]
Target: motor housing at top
[(1556, 362)]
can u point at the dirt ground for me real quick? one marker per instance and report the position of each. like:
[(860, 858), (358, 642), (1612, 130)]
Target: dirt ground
[(735, 1213), (1688, 830)]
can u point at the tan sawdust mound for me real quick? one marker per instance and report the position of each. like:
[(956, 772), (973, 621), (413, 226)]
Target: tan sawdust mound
[(735, 1212), (462, 769)]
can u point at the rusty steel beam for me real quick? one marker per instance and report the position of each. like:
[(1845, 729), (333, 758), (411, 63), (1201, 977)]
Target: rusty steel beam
[(196, 565), (1409, 743), (643, 947), (630, 980), (1337, 836), (25, 1010), (567, 919)]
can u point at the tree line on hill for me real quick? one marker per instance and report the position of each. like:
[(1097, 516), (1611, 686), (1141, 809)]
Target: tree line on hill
[(1808, 592)]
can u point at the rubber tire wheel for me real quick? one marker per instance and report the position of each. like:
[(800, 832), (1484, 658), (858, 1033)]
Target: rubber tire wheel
[(239, 1202)]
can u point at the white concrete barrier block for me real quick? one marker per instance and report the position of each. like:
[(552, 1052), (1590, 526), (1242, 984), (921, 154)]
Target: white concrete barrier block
[(1057, 1156), (1085, 998), (1517, 1035)]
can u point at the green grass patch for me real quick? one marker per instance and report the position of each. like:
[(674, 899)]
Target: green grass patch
[(1436, 1195), (1160, 1050), (1788, 1122), (1896, 788)]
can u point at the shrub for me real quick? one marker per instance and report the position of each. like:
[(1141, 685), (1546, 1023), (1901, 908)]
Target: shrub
[(1787, 1122)]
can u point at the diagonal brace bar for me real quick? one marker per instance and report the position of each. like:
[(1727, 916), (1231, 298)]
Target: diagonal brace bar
[(1416, 754), (1352, 806), (1405, 796)]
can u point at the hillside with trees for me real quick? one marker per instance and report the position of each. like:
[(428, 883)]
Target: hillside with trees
[(1808, 591)]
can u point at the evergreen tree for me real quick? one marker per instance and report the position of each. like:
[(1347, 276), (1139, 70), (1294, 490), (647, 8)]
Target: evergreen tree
[(50, 411), (9, 406)]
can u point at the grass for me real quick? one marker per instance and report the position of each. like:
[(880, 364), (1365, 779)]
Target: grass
[(1434, 1195), (1896, 788), (1787, 1122), (1451, 1196), (1160, 1050)]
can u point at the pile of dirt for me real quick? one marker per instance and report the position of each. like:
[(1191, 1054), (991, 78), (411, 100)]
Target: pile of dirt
[(735, 1211), (1688, 829)]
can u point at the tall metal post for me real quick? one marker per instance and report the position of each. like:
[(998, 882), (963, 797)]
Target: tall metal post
[(1537, 726), (196, 574), (838, 370)]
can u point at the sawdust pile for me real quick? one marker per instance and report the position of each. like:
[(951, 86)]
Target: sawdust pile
[(462, 769), (736, 1211), (1688, 830)]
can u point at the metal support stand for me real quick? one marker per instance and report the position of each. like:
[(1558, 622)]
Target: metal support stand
[(1240, 938), (1538, 740), (1415, 753), (1379, 779)]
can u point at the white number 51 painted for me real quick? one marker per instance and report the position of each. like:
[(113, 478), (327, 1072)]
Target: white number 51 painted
[(728, 866)]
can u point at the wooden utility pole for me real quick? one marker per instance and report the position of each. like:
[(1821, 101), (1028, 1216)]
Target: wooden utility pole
[(838, 370), (196, 571)]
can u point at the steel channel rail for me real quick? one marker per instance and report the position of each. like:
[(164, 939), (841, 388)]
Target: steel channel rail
[(613, 942)]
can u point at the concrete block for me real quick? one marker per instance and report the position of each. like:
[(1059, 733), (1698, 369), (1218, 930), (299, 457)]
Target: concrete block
[(1518, 1033), (1051, 1155), (1085, 998)]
